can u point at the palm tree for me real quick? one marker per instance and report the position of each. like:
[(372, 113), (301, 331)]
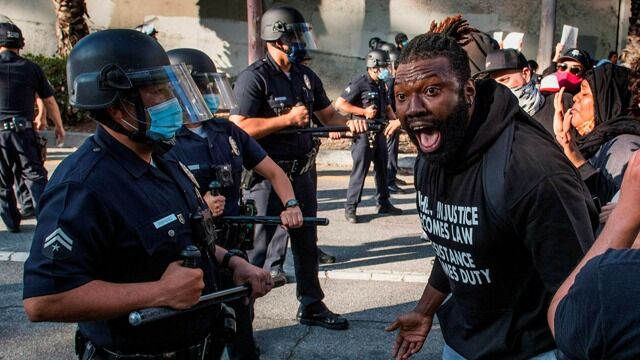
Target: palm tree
[(71, 25)]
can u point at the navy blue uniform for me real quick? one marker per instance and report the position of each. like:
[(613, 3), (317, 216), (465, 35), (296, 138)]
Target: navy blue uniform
[(263, 90), (363, 92), (108, 215), (224, 144), (20, 81)]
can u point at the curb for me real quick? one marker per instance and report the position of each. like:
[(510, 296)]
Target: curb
[(325, 157)]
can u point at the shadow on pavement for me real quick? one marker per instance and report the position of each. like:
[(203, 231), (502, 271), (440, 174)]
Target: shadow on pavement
[(365, 338), (378, 252)]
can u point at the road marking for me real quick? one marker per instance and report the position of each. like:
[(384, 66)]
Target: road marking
[(370, 275), (17, 256)]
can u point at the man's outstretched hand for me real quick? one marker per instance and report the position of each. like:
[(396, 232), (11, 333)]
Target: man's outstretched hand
[(414, 328)]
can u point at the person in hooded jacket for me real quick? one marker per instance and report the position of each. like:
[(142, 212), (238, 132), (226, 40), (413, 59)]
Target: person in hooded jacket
[(599, 132), (501, 253)]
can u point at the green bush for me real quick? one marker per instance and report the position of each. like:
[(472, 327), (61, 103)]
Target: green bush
[(55, 68)]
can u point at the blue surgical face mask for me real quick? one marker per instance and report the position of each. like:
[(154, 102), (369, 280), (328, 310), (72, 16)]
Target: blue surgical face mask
[(404, 43), (166, 120), (384, 74), (297, 53), (213, 102)]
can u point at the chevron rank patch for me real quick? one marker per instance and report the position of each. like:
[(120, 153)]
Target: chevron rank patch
[(58, 245)]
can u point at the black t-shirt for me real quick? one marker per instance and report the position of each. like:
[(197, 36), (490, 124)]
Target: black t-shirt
[(263, 90), (363, 92), (502, 278), (20, 81), (599, 316)]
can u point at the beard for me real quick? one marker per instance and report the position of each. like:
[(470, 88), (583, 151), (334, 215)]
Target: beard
[(439, 139)]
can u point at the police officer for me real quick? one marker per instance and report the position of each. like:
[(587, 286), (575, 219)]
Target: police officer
[(401, 40), (366, 97), (275, 93), (217, 150), (116, 216), (20, 81)]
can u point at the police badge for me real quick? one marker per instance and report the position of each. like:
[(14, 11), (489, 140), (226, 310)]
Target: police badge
[(234, 147), (307, 82)]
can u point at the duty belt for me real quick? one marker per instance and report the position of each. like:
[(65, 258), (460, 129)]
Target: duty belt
[(15, 123), (302, 165), (194, 352)]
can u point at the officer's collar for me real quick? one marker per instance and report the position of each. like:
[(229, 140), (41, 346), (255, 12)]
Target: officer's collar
[(274, 68), (208, 125), (8, 55), (375, 82), (124, 156)]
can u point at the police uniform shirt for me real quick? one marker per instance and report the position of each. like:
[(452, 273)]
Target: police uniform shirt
[(225, 143), (20, 80), (108, 215), (359, 90), (263, 88)]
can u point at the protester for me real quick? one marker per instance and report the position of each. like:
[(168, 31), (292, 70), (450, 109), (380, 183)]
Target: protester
[(570, 68), (525, 227), (594, 315), (599, 132), (510, 68), (535, 77)]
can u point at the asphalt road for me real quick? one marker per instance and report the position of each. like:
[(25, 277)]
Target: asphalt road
[(381, 271)]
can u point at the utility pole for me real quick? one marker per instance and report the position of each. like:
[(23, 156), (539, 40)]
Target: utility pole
[(255, 46), (547, 29)]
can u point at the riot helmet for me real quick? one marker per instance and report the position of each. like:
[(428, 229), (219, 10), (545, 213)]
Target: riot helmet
[(214, 86), (377, 58), (378, 61), (10, 35), (374, 43), (128, 70), (401, 40), (385, 46), (394, 60), (288, 25)]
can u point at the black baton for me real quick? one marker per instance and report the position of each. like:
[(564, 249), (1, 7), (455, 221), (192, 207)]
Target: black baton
[(271, 220), (144, 316)]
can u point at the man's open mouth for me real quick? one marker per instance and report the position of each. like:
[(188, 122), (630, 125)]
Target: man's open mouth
[(428, 137)]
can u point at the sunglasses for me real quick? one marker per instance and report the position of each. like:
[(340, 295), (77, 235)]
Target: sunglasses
[(575, 70)]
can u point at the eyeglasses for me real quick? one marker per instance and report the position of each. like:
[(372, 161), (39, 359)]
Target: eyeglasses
[(575, 70)]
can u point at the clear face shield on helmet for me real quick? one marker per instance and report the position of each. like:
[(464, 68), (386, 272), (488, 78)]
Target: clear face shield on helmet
[(170, 98), (216, 91), (299, 37)]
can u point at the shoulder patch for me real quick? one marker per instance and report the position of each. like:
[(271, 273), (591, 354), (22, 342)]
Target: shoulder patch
[(58, 245)]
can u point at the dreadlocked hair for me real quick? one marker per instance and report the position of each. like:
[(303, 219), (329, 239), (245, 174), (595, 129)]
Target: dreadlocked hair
[(456, 27), (443, 40)]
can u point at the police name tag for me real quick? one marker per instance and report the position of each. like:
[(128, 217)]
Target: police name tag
[(165, 220)]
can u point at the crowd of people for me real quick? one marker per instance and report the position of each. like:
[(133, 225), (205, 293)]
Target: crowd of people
[(527, 187)]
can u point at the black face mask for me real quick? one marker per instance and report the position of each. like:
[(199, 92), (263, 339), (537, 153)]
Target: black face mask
[(452, 129)]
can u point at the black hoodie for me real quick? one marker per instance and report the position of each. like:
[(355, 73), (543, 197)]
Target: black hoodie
[(502, 278)]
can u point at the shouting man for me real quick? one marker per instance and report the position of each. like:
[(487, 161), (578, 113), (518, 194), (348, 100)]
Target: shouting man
[(506, 212)]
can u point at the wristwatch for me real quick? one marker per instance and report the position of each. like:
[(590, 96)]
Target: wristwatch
[(233, 252), (291, 203)]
